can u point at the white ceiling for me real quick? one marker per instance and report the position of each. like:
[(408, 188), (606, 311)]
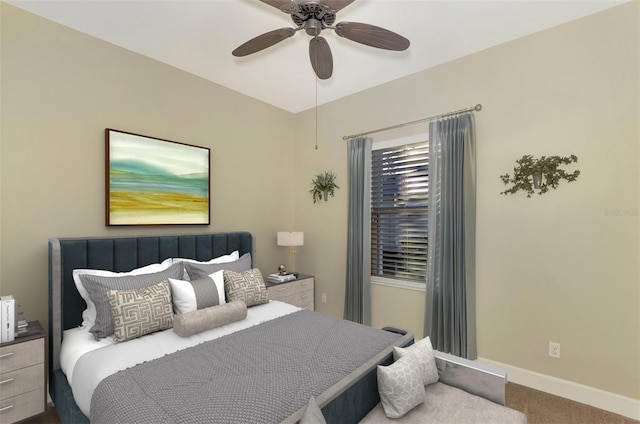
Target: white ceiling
[(198, 37)]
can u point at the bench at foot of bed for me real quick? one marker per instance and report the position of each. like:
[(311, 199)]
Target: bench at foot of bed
[(444, 404)]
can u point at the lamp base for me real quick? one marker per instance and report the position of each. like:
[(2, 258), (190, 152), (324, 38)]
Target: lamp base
[(292, 252)]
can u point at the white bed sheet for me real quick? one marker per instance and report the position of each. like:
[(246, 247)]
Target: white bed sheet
[(84, 378)]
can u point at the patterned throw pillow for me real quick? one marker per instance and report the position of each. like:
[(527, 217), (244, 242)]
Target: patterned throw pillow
[(141, 311), (400, 386), (423, 350), (247, 286)]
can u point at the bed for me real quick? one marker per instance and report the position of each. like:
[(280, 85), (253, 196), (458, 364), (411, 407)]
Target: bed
[(345, 395)]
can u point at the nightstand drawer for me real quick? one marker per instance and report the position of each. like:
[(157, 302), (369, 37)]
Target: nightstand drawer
[(301, 300), (290, 288), (21, 355), (21, 381), (23, 406)]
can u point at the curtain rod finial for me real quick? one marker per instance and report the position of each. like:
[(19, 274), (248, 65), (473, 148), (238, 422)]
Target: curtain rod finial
[(478, 107)]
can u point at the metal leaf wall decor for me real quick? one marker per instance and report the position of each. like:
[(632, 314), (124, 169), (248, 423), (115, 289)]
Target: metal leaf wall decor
[(531, 175)]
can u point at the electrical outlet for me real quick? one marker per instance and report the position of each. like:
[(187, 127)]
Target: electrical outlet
[(554, 349), (324, 298)]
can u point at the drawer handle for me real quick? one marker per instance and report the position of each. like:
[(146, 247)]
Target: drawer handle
[(8, 380), (281, 288), (6, 408), (6, 355), (304, 295)]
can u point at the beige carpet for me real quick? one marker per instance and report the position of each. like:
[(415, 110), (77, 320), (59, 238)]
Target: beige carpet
[(539, 407), (543, 408)]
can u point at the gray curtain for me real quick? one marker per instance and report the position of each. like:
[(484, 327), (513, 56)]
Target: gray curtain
[(450, 291), (357, 302)]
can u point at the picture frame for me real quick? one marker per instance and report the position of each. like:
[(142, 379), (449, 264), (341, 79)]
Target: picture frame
[(152, 181)]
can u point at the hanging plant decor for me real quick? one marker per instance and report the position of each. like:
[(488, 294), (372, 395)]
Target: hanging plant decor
[(323, 185), (538, 174)]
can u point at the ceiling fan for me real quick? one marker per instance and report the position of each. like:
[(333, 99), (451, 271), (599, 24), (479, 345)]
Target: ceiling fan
[(313, 17)]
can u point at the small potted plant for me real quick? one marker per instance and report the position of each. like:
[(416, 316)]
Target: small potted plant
[(323, 185)]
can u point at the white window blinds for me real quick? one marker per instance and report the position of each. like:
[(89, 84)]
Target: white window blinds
[(399, 200)]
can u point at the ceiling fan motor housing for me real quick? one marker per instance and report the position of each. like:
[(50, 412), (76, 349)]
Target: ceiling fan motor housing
[(310, 11)]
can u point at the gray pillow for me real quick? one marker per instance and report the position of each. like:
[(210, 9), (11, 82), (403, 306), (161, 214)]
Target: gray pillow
[(201, 320), (98, 287), (197, 271)]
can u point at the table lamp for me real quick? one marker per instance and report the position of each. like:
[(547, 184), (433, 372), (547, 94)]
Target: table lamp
[(291, 239)]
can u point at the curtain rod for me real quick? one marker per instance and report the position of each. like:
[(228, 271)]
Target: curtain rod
[(476, 108)]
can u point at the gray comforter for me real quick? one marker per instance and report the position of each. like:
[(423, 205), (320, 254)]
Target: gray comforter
[(259, 375)]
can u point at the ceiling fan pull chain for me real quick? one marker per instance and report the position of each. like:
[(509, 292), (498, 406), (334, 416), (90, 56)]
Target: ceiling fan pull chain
[(316, 80)]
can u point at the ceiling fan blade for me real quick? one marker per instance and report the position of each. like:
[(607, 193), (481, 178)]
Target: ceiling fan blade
[(284, 5), (263, 41), (336, 5), (321, 58), (371, 35)]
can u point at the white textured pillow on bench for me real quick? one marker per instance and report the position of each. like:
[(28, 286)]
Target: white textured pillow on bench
[(400, 386), (423, 351)]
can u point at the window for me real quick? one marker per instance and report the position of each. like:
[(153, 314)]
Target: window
[(399, 206)]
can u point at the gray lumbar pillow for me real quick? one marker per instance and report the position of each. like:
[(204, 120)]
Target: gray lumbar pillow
[(201, 320)]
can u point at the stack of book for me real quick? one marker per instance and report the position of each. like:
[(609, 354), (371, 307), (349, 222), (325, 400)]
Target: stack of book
[(12, 321), (7, 319), (22, 327), (281, 278)]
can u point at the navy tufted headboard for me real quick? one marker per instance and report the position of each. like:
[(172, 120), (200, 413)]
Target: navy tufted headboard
[(119, 254)]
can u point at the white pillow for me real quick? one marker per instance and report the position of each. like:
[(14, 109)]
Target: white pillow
[(185, 297), (89, 314), (233, 256), (424, 354), (400, 386)]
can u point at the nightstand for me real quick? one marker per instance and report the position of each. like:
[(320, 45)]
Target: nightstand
[(299, 292), (22, 376)]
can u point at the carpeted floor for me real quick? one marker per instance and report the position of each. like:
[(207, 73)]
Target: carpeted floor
[(539, 407), (543, 408)]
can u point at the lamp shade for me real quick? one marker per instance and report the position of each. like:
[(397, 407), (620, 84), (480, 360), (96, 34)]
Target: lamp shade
[(290, 238)]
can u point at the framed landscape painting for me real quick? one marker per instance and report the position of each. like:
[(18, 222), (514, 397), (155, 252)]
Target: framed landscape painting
[(150, 181)]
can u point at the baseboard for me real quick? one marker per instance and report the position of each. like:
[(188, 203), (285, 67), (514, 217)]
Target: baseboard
[(600, 399)]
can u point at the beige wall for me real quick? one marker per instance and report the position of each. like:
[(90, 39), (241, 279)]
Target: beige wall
[(558, 267), (61, 89)]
